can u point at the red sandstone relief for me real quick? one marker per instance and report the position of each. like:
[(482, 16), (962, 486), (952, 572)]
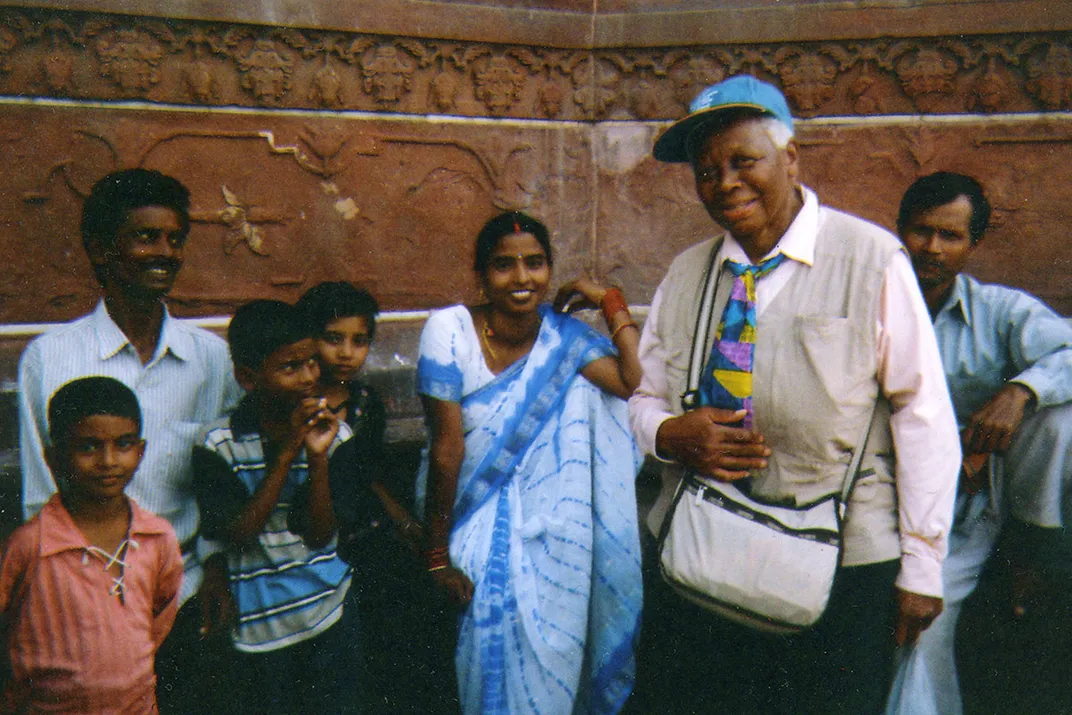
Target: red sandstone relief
[(648, 211), (280, 203), (56, 53)]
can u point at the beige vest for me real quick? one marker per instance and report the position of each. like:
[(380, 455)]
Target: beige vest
[(814, 378)]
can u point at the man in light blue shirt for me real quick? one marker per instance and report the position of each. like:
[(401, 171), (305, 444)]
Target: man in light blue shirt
[(1008, 363), (134, 229)]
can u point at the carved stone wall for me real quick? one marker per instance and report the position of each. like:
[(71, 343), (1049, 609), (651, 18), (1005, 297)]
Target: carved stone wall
[(368, 140), (281, 202), (374, 153), (113, 57)]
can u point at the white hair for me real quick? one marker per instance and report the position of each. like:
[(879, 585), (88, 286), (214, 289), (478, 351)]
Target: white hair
[(780, 134)]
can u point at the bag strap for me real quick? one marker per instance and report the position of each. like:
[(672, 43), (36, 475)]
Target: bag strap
[(690, 399), (853, 470)]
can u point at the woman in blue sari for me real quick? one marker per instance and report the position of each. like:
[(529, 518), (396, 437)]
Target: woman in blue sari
[(531, 510)]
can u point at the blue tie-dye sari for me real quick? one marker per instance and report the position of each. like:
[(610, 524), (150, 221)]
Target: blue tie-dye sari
[(545, 525)]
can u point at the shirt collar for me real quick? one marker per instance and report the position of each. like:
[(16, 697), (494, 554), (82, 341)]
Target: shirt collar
[(112, 340), (957, 302), (798, 241), (60, 533)]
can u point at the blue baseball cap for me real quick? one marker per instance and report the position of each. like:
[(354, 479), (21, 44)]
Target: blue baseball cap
[(740, 92)]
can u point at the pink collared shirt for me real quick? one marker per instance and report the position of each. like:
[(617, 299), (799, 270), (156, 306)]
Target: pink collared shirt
[(76, 646), (911, 377)]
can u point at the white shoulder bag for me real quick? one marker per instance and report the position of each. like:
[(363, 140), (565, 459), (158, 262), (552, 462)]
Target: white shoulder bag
[(767, 566)]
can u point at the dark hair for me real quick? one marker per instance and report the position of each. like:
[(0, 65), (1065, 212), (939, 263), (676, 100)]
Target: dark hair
[(939, 189), (112, 197), (86, 397), (261, 327), (333, 300), (504, 225)]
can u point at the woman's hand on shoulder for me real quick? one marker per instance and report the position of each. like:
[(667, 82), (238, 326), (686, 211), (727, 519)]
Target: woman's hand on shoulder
[(578, 294)]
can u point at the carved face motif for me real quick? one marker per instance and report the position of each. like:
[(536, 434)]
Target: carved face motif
[(808, 81), (130, 59), (690, 76), (388, 75), (498, 85), (551, 96), (991, 91), (1051, 77), (597, 87), (327, 87), (57, 69), (267, 72), (442, 91), (929, 72)]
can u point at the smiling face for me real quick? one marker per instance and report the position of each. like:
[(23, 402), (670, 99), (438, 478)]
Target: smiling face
[(344, 346), (747, 184), (939, 241), (517, 275), (144, 261), (287, 376), (98, 458)]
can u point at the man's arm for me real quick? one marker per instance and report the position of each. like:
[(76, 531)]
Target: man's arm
[(649, 406), (699, 438), (37, 482), (1039, 346), (926, 442)]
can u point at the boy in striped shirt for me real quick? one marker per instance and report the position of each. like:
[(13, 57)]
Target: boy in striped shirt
[(263, 486)]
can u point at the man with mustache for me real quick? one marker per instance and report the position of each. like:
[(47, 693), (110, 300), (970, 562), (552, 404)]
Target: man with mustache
[(1008, 361), (840, 339), (134, 229)]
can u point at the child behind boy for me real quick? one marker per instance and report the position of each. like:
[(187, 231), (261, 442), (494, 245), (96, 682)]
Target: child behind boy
[(381, 538), (263, 483), (342, 319), (88, 586)]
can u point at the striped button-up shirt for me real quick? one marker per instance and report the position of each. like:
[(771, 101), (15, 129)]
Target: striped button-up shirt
[(75, 644), (188, 382)]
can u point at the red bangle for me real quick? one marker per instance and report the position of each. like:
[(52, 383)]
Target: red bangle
[(613, 303), (437, 558)]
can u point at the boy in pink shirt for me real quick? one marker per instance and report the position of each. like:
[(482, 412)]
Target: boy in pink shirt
[(88, 586)]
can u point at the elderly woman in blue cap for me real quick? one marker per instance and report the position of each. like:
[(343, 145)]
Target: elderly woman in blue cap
[(823, 332)]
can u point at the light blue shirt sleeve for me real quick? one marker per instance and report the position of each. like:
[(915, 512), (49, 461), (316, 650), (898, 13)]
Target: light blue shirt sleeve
[(37, 482), (991, 335)]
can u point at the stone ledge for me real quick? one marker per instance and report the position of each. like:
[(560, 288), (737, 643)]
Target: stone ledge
[(573, 24), (648, 67)]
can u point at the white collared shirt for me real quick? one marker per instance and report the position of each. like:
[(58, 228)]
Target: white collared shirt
[(910, 375), (189, 381)]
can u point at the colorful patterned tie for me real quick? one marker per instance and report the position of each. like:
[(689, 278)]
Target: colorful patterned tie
[(727, 379)]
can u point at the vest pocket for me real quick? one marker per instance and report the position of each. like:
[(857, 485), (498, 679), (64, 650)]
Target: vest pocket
[(840, 362), (818, 379)]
